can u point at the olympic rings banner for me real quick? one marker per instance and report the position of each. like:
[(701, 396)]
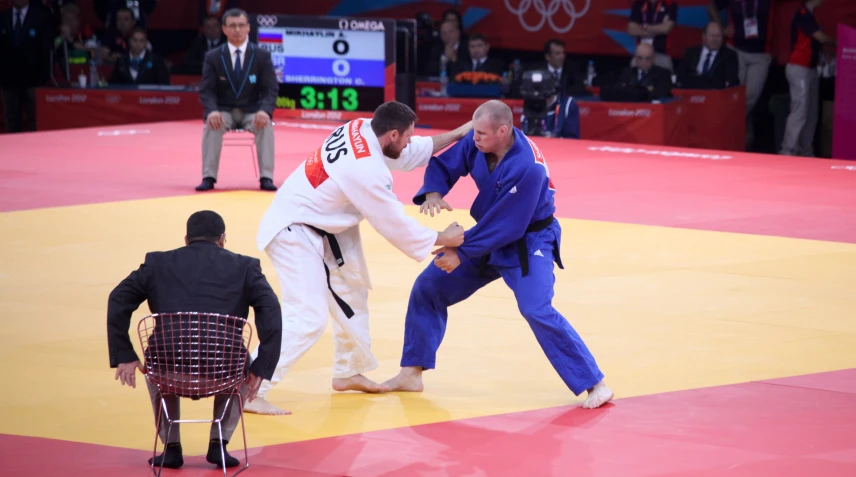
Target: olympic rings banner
[(587, 26)]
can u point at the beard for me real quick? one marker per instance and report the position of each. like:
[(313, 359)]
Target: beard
[(391, 151)]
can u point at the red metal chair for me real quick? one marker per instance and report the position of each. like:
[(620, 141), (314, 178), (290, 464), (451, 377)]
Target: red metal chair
[(196, 355)]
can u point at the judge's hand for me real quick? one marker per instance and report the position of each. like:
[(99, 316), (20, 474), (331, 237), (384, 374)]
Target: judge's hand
[(215, 120), (433, 203), (127, 373), (449, 260), (253, 384), (261, 120)]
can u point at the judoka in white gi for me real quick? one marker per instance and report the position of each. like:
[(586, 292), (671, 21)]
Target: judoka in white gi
[(515, 238), (311, 234)]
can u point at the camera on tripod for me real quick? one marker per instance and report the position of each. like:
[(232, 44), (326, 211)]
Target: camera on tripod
[(537, 87)]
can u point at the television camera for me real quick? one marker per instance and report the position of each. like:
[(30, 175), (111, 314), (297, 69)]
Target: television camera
[(537, 88)]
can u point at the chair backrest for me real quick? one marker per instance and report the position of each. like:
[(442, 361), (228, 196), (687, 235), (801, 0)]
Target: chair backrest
[(195, 355)]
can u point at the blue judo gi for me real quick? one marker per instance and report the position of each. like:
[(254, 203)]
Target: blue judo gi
[(516, 238)]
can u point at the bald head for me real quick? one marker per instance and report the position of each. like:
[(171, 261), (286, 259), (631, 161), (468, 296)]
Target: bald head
[(493, 127), (495, 111), (644, 56)]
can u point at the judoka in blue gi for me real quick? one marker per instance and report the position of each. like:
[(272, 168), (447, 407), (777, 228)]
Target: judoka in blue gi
[(515, 238)]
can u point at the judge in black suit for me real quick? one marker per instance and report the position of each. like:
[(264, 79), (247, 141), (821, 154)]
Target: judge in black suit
[(25, 40), (656, 79), (238, 89), (709, 65), (201, 277), (478, 60), (139, 65)]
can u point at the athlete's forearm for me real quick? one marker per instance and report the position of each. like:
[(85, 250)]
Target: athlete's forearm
[(444, 139)]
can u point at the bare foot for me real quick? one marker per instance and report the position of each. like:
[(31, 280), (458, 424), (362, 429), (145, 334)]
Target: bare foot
[(408, 380), (261, 406), (598, 396), (358, 383)]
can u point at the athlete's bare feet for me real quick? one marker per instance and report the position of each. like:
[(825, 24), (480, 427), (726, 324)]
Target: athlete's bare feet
[(358, 383), (261, 406), (598, 396), (408, 379)]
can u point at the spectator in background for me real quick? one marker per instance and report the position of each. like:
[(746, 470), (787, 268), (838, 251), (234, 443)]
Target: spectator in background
[(566, 71), (807, 40), (26, 34), (215, 8), (211, 37), (709, 65), (452, 15), (118, 38), (650, 22), (77, 38), (450, 50), (656, 79), (139, 65), (478, 60), (749, 21), (107, 11)]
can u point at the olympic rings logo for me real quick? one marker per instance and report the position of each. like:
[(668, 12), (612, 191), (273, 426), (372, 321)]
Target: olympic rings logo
[(266, 20), (547, 13)]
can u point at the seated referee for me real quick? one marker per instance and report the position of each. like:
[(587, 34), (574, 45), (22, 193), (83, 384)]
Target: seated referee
[(238, 90)]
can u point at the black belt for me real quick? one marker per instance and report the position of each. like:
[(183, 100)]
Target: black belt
[(337, 254), (523, 253)]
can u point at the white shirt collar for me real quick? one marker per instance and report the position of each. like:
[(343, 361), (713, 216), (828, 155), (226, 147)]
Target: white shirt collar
[(138, 57), (243, 47), (23, 11)]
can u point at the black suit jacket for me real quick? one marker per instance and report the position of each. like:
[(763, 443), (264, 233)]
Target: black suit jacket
[(27, 63), (255, 91), (658, 80), (491, 65), (571, 80), (724, 71), (200, 277), (432, 64), (153, 70)]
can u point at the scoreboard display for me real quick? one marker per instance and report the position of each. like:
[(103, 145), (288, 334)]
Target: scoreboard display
[(329, 64)]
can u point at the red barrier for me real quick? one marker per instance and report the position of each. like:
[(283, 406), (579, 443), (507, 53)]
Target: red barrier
[(716, 118), (77, 108), (640, 123)]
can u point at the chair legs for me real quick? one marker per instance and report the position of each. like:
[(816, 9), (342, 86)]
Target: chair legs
[(162, 409), (246, 142)]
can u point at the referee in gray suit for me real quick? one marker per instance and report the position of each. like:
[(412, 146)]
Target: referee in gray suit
[(238, 89)]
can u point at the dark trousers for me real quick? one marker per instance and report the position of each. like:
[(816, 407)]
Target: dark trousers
[(17, 102)]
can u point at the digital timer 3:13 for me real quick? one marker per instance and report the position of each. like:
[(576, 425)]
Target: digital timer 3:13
[(312, 97)]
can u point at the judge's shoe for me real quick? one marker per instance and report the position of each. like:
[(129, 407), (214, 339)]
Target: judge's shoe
[(207, 184), (171, 457), (214, 456), (266, 184)]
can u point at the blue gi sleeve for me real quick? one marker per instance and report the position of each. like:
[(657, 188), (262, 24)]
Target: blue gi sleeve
[(506, 221), (444, 170)]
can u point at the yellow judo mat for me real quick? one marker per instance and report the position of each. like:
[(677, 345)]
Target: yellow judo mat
[(662, 310)]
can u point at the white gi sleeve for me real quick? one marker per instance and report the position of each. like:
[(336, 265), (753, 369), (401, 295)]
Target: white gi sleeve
[(369, 188), (416, 154)]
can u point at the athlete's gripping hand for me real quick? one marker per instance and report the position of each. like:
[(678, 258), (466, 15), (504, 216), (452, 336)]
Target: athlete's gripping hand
[(433, 203)]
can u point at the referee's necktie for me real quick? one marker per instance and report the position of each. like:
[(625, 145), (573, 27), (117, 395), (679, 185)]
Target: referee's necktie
[(238, 64)]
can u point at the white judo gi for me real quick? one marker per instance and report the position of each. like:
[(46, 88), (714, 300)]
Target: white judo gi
[(347, 179)]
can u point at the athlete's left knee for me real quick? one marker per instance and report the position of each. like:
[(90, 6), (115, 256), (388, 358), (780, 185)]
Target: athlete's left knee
[(536, 311)]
